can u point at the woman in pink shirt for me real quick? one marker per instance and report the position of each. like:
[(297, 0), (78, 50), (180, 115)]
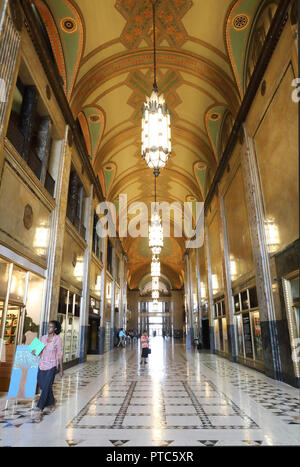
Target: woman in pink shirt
[(145, 347), (51, 359)]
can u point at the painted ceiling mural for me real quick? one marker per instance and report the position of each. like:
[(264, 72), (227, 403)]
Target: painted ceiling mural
[(106, 176), (65, 30), (104, 52), (92, 122)]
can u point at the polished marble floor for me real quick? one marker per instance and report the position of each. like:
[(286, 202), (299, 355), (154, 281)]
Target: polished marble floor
[(180, 398)]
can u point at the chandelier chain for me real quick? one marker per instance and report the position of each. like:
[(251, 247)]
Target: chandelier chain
[(154, 48)]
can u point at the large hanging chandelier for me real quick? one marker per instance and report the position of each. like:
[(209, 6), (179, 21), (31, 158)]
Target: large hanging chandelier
[(156, 235), (155, 267), (156, 127)]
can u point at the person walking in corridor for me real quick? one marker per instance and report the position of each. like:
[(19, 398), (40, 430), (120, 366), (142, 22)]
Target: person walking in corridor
[(145, 347), (122, 336), (50, 360)]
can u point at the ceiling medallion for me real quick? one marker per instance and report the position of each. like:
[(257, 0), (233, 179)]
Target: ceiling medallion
[(68, 25), (28, 217), (240, 22), (94, 118), (214, 116)]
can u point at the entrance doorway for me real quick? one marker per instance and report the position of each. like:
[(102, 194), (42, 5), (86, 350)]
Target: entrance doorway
[(94, 334), (155, 326)]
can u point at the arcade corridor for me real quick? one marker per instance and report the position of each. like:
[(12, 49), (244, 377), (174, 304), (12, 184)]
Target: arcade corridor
[(149, 183), (180, 398)]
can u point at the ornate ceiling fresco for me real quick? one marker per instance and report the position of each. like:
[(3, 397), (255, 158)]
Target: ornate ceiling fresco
[(104, 52)]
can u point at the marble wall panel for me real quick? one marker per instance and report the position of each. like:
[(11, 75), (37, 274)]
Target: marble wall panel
[(238, 231), (24, 219), (72, 261), (277, 159), (215, 255)]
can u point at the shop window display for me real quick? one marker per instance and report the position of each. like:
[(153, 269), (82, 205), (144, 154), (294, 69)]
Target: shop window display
[(239, 334), (220, 324), (68, 316), (247, 325), (21, 300), (292, 302), (256, 332)]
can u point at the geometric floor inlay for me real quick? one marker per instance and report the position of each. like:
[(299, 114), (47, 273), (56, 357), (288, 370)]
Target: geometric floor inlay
[(182, 397)]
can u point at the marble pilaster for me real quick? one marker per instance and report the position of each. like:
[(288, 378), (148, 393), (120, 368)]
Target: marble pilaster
[(198, 273), (57, 232), (85, 303), (210, 295), (227, 280), (103, 298), (113, 291), (272, 361)]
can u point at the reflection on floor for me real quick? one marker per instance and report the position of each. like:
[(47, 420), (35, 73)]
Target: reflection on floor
[(179, 398)]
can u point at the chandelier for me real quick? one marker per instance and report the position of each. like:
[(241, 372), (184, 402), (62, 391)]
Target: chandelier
[(156, 235), (155, 283), (155, 267), (156, 126)]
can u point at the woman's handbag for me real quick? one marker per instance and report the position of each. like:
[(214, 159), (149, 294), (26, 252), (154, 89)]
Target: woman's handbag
[(149, 351)]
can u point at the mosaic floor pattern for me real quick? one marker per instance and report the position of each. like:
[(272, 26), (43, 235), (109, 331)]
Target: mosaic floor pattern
[(180, 398)]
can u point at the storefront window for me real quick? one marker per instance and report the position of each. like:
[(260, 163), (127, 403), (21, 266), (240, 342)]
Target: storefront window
[(296, 306), (256, 333), (69, 307), (247, 325), (292, 301), (224, 332), (20, 315), (33, 308), (220, 324), (247, 335), (17, 287), (239, 334), (4, 276), (217, 335)]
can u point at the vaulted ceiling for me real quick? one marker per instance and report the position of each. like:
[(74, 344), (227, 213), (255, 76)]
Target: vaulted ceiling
[(104, 53)]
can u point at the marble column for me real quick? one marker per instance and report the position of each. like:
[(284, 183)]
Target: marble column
[(113, 291), (188, 311), (210, 296), (103, 298), (272, 361), (57, 230), (227, 280), (85, 302), (198, 274)]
